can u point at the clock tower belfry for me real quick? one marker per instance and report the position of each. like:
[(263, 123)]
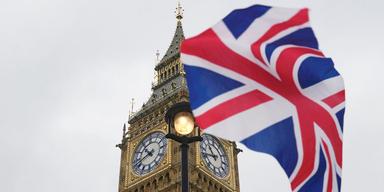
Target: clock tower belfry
[(150, 162)]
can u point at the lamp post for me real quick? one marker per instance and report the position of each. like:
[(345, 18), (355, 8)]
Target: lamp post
[(179, 117)]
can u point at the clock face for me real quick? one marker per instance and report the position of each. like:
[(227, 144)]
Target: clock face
[(214, 156), (149, 153)]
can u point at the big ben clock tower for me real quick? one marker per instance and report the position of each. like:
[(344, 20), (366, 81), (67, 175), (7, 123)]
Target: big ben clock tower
[(150, 162)]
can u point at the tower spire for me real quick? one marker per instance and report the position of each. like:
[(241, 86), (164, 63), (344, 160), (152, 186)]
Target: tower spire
[(179, 11), (178, 37)]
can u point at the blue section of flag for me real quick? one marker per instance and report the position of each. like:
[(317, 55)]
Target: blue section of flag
[(340, 118), (315, 183), (313, 70), (204, 85), (239, 20), (303, 37), (339, 182), (277, 140)]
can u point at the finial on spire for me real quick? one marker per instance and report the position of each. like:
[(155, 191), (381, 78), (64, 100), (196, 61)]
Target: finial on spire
[(124, 130), (179, 11), (130, 113), (157, 55)]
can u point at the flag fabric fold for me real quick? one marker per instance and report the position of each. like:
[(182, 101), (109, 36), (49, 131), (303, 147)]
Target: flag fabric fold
[(259, 78)]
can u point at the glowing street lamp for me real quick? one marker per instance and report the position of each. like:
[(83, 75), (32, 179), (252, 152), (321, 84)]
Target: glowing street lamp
[(179, 117), (184, 123)]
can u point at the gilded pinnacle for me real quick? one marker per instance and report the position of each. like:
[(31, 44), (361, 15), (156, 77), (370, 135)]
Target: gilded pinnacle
[(179, 11)]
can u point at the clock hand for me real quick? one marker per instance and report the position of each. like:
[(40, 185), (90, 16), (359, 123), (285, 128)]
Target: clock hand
[(161, 139), (210, 149), (160, 142), (139, 161), (214, 156), (149, 154), (152, 151)]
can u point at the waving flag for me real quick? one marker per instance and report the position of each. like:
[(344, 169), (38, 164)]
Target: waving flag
[(258, 77)]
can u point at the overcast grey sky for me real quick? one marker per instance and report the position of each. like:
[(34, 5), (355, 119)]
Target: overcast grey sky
[(68, 69)]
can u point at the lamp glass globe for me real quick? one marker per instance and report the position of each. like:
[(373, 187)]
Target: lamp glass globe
[(184, 123)]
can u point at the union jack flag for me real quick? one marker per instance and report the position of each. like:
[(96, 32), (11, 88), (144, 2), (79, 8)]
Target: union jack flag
[(258, 77)]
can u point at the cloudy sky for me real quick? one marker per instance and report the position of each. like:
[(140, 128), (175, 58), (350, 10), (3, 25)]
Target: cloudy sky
[(68, 69)]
